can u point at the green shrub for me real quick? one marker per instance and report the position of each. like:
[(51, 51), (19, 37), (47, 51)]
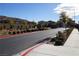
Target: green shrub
[(14, 33), (9, 32), (61, 37)]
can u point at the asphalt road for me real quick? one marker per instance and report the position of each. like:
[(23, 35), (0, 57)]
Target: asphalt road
[(14, 45)]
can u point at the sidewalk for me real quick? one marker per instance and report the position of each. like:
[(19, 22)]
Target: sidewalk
[(70, 48), (73, 40)]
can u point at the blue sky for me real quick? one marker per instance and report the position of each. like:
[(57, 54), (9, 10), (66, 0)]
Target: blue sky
[(30, 11)]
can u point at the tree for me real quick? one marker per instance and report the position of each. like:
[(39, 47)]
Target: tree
[(59, 24), (34, 24), (51, 24), (65, 20), (23, 25), (41, 24), (70, 23)]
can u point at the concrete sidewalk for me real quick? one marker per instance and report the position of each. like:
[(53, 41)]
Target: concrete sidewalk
[(73, 40)]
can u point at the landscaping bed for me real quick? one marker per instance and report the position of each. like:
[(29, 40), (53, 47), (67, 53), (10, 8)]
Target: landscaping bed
[(61, 37)]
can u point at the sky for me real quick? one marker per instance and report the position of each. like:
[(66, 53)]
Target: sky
[(38, 11)]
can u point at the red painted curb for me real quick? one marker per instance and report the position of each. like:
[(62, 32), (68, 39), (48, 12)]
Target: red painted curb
[(30, 49)]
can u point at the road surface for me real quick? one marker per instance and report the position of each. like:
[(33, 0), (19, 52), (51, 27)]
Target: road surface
[(13, 45)]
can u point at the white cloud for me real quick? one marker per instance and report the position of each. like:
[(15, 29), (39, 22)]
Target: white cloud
[(71, 8)]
